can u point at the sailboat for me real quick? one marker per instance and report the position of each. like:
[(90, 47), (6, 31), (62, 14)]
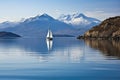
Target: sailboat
[(49, 35)]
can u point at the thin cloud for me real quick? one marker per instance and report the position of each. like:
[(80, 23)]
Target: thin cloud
[(102, 15)]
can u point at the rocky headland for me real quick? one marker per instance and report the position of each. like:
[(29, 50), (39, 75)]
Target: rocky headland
[(108, 29)]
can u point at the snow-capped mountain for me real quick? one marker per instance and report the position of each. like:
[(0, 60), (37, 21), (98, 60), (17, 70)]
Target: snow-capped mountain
[(79, 20), (38, 26), (43, 17)]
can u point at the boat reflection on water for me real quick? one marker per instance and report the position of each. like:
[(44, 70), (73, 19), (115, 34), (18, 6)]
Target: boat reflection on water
[(49, 44), (109, 48)]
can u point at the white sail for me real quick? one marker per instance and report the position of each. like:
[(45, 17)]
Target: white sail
[(49, 34)]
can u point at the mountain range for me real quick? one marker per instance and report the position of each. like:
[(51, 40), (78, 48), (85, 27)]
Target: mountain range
[(79, 20), (37, 26)]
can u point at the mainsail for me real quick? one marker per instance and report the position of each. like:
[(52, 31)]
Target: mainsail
[(49, 34)]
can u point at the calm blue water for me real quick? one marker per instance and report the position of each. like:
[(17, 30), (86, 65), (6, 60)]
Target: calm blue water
[(61, 59)]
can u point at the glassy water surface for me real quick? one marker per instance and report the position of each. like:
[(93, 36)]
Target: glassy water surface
[(60, 59)]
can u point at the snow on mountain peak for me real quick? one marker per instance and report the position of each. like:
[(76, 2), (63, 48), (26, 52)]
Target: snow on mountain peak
[(43, 17), (78, 19), (44, 14), (77, 15), (65, 17)]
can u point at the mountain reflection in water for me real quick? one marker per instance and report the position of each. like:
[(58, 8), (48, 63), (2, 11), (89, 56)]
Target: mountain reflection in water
[(107, 47), (41, 50)]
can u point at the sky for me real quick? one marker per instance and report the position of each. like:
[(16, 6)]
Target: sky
[(15, 10)]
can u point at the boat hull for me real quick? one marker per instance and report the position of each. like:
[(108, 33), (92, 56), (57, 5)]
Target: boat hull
[(50, 38)]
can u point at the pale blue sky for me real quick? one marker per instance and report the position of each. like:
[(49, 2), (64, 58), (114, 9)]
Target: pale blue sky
[(14, 10)]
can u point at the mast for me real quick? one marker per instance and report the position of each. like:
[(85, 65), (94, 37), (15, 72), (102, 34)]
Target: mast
[(51, 36)]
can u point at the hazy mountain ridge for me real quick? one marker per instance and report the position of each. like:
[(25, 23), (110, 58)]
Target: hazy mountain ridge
[(38, 26), (7, 24), (8, 35)]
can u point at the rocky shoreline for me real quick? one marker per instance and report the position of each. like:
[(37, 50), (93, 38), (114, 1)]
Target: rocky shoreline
[(108, 29), (99, 38)]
